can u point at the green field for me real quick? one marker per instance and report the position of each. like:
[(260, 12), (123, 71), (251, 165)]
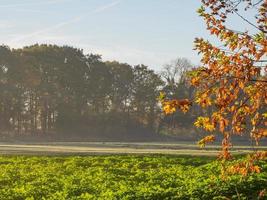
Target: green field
[(122, 177)]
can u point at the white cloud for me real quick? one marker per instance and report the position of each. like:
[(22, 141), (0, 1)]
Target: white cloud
[(28, 10), (32, 3), (133, 56), (64, 23), (6, 24), (109, 51)]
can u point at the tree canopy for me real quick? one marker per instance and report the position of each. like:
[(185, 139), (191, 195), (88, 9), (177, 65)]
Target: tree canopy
[(50, 89), (231, 81)]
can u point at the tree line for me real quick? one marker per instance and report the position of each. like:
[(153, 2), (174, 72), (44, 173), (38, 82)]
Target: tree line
[(49, 89)]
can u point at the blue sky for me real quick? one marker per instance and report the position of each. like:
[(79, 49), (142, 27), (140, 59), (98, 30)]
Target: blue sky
[(152, 32)]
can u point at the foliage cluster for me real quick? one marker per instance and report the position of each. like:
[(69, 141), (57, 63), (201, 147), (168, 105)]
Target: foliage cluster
[(232, 80)]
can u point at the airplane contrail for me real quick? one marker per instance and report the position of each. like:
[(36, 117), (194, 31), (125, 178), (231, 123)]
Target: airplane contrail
[(64, 23), (105, 7)]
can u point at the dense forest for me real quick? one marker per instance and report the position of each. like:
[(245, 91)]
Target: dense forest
[(59, 91)]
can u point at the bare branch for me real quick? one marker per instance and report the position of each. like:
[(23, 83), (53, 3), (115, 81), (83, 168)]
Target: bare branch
[(249, 22), (255, 4)]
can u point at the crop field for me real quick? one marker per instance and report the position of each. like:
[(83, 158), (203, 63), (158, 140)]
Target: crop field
[(123, 177)]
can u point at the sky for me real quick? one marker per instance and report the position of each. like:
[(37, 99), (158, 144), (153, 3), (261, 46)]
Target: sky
[(150, 32)]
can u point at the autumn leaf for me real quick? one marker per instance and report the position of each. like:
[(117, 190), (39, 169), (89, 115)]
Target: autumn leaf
[(205, 140)]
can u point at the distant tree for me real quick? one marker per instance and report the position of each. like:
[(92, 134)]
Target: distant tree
[(99, 86), (146, 87), (177, 86), (174, 75), (8, 89), (122, 82)]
